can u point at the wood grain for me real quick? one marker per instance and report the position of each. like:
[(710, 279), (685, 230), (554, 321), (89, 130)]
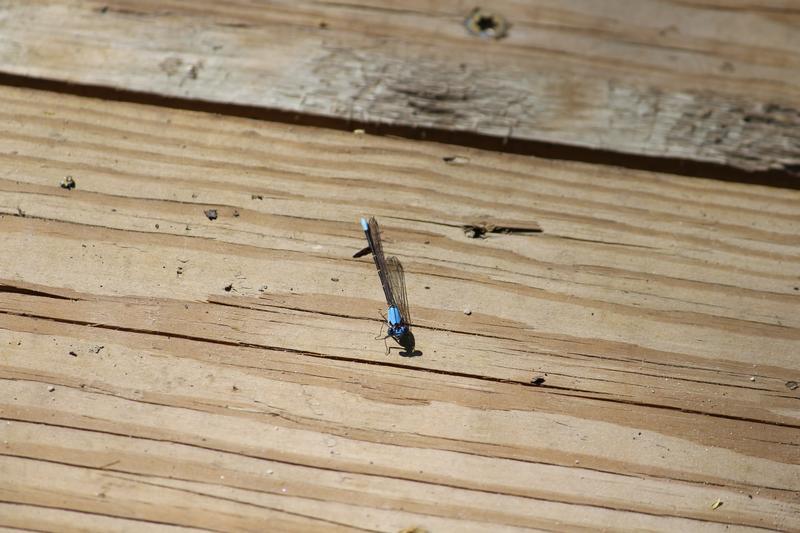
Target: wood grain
[(160, 369), (694, 80)]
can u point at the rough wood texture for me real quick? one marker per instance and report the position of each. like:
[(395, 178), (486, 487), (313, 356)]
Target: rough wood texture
[(694, 80), (162, 369)]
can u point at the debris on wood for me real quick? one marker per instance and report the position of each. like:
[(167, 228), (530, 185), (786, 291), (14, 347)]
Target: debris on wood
[(68, 183), (229, 287), (792, 385), (479, 230), (73, 354), (51, 388), (256, 196), (211, 214), (358, 131), (537, 381), (717, 504), (467, 311), (455, 160), (335, 280), (109, 465), (96, 349)]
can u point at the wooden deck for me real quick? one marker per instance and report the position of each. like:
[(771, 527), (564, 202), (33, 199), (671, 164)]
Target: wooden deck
[(694, 80), (633, 364)]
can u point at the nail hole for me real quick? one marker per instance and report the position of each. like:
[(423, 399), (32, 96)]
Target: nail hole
[(487, 24)]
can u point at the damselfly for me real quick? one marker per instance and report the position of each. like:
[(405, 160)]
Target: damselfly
[(393, 281)]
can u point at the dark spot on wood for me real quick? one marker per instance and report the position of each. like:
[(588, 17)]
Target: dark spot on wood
[(157, 226), (234, 388), (229, 287), (792, 385), (256, 197), (234, 24), (211, 214), (537, 381), (68, 183), (323, 25), (335, 279), (133, 12), (73, 354), (236, 212)]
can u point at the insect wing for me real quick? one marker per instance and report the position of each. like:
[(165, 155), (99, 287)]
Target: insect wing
[(374, 238), (397, 283)]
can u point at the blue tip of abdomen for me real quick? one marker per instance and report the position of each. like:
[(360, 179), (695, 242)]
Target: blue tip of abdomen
[(364, 224)]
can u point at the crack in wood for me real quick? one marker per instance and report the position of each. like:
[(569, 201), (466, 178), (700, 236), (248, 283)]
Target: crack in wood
[(11, 289), (551, 389), (783, 175)]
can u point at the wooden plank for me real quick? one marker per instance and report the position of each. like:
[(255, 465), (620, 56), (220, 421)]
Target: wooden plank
[(692, 80), (163, 369)]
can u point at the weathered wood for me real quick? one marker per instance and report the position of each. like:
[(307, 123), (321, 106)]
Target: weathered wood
[(690, 80), (160, 368)]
